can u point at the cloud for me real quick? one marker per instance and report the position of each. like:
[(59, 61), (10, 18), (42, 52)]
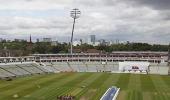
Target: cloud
[(127, 20), (156, 4), (34, 4)]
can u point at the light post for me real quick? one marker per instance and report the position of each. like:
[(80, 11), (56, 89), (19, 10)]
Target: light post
[(74, 13), (169, 58)]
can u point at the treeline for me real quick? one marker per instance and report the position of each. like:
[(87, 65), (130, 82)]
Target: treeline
[(25, 48), (133, 47)]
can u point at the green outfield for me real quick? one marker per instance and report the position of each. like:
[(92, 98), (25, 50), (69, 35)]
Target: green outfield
[(86, 86)]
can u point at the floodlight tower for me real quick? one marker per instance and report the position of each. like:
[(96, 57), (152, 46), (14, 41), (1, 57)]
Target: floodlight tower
[(169, 55), (168, 64), (74, 13)]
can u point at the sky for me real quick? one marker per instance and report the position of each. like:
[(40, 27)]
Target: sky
[(126, 20)]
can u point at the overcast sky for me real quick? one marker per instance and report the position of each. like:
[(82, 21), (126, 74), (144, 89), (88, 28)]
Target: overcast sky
[(126, 20)]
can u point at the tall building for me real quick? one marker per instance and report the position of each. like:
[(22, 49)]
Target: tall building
[(47, 40), (1, 39), (169, 55), (30, 39), (19, 40), (117, 41), (92, 39), (37, 40), (29, 46)]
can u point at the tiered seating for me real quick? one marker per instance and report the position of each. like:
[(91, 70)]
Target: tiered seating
[(50, 67), (46, 67), (62, 66), (4, 74), (106, 68), (74, 66), (14, 69), (21, 69), (82, 67), (91, 67), (30, 68), (113, 66), (100, 67), (40, 67)]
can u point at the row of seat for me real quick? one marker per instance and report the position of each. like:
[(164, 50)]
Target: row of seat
[(20, 69), (81, 66)]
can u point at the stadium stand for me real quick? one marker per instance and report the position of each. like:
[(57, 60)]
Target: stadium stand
[(41, 68), (74, 66), (91, 67), (46, 68), (50, 67), (30, 68), (20, 69), (81, 66), (5, 74), (82, 62), (14, 69), (62, 66)]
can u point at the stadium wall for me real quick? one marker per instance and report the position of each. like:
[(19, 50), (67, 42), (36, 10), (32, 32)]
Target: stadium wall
[(161, 68), (114, 67), (133, 67)]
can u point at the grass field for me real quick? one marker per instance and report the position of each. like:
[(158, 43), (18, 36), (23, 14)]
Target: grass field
[(48, 87)]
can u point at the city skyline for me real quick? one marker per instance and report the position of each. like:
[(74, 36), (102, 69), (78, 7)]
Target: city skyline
[(126, 20)]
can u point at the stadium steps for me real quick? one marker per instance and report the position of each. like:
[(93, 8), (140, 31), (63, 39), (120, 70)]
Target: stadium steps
[(100, 68), (14, 69), (82, 68), (34, 68), (54, 67), (9, 72), (24, 69), (75, 66), (62, 66), (38, 68), (70, 66), (48, 67), (86, 66), (31, 69), (5, 74)]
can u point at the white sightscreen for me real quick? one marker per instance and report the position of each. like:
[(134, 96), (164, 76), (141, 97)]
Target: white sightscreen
[(133, 66)]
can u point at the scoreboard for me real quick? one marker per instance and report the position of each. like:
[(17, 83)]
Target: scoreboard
[(133, 66)]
